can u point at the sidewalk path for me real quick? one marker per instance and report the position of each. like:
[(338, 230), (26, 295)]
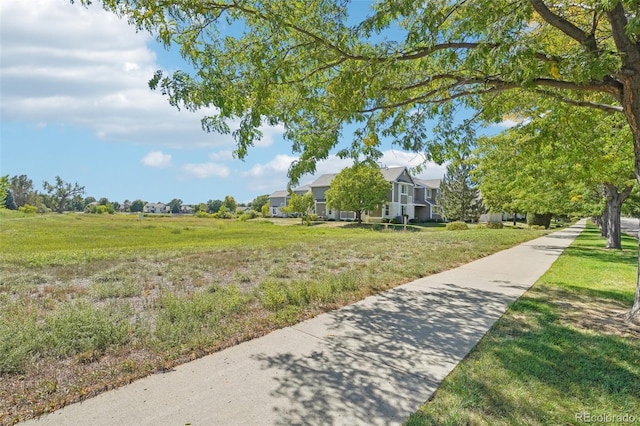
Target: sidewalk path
[(373, 362)]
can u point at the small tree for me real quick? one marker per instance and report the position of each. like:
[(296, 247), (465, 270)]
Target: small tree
[(260, 201), (137, 206), (230, 203), (458, 197), (59, 192), (22, 189), (358, 188), (300, 204), (175, 205), (4, 189), (10, 202), (214, 205)]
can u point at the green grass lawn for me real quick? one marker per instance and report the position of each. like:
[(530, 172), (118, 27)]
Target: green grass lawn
[(90, 302), (560, 355)]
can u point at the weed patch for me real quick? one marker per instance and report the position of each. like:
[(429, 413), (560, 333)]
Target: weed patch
[(103, 299)]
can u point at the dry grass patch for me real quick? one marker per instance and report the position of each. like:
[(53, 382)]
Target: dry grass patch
[(143, 297)]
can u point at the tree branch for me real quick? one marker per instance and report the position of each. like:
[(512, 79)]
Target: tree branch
[(587, 104), (610, 87), (565, 26), (618, 21)]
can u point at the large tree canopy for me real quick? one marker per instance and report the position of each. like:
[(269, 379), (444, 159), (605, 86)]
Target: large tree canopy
[(553, 160), (58, 193), (312, 67)]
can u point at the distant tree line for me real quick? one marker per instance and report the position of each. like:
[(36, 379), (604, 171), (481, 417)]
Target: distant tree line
[(19, 193)]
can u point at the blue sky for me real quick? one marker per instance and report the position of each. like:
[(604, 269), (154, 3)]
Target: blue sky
[(74, 103)]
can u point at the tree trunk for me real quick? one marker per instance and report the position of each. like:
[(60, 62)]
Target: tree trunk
[(631, 106), (61, 205), (359, 216), (603, 221), (515, 217), (614, 199)]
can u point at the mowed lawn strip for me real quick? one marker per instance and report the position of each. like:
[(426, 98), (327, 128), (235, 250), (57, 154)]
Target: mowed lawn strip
[(561, 354), (91, 302)]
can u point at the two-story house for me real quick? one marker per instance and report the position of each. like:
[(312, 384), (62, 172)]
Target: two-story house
[(408, 197), (424, 199), (279, 199), (156, 208)]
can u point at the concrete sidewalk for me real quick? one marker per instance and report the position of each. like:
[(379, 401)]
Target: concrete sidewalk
[(373, 362)]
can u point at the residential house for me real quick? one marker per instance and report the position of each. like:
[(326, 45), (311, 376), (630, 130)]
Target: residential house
[(279, 199), (400, 197), (425, 201), (156, 208), (408, 197)]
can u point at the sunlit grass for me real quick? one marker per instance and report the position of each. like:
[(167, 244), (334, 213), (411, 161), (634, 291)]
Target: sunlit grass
[(120, 297), (562, 350)]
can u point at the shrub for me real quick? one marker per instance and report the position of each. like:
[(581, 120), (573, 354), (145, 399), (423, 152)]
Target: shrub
[(537, 227), (203, 214), (494, 225), (276, 295), (457, 226), (539, 219), (192, 321), (18, 338), (398, 220), (28, 208), (80, 327), (249, 214), (118, 289)]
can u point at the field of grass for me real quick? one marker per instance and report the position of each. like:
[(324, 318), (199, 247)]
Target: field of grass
[(91, 302), (561, 355)]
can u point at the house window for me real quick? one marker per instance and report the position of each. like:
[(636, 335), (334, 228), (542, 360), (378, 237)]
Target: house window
[(330, 212), (403, 189), (386, 209), (428, 192)]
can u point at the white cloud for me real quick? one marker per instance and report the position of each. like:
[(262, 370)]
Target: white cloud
[(506, 124), (66, 64), (393, 158), (268, 135), (221, 156), (206, 170), (278, 166), (332, 164), (157, 159)]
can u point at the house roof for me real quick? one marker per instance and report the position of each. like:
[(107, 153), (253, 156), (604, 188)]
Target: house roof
[(392, 173), (279, 194), (302, 189), (323, 180), (429, 183)]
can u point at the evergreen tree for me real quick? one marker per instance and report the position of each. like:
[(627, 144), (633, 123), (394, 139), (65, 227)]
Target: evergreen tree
[(458, 196), (10, 202)]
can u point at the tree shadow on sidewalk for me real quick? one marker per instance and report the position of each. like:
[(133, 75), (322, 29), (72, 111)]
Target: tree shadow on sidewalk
[(382, 358)]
